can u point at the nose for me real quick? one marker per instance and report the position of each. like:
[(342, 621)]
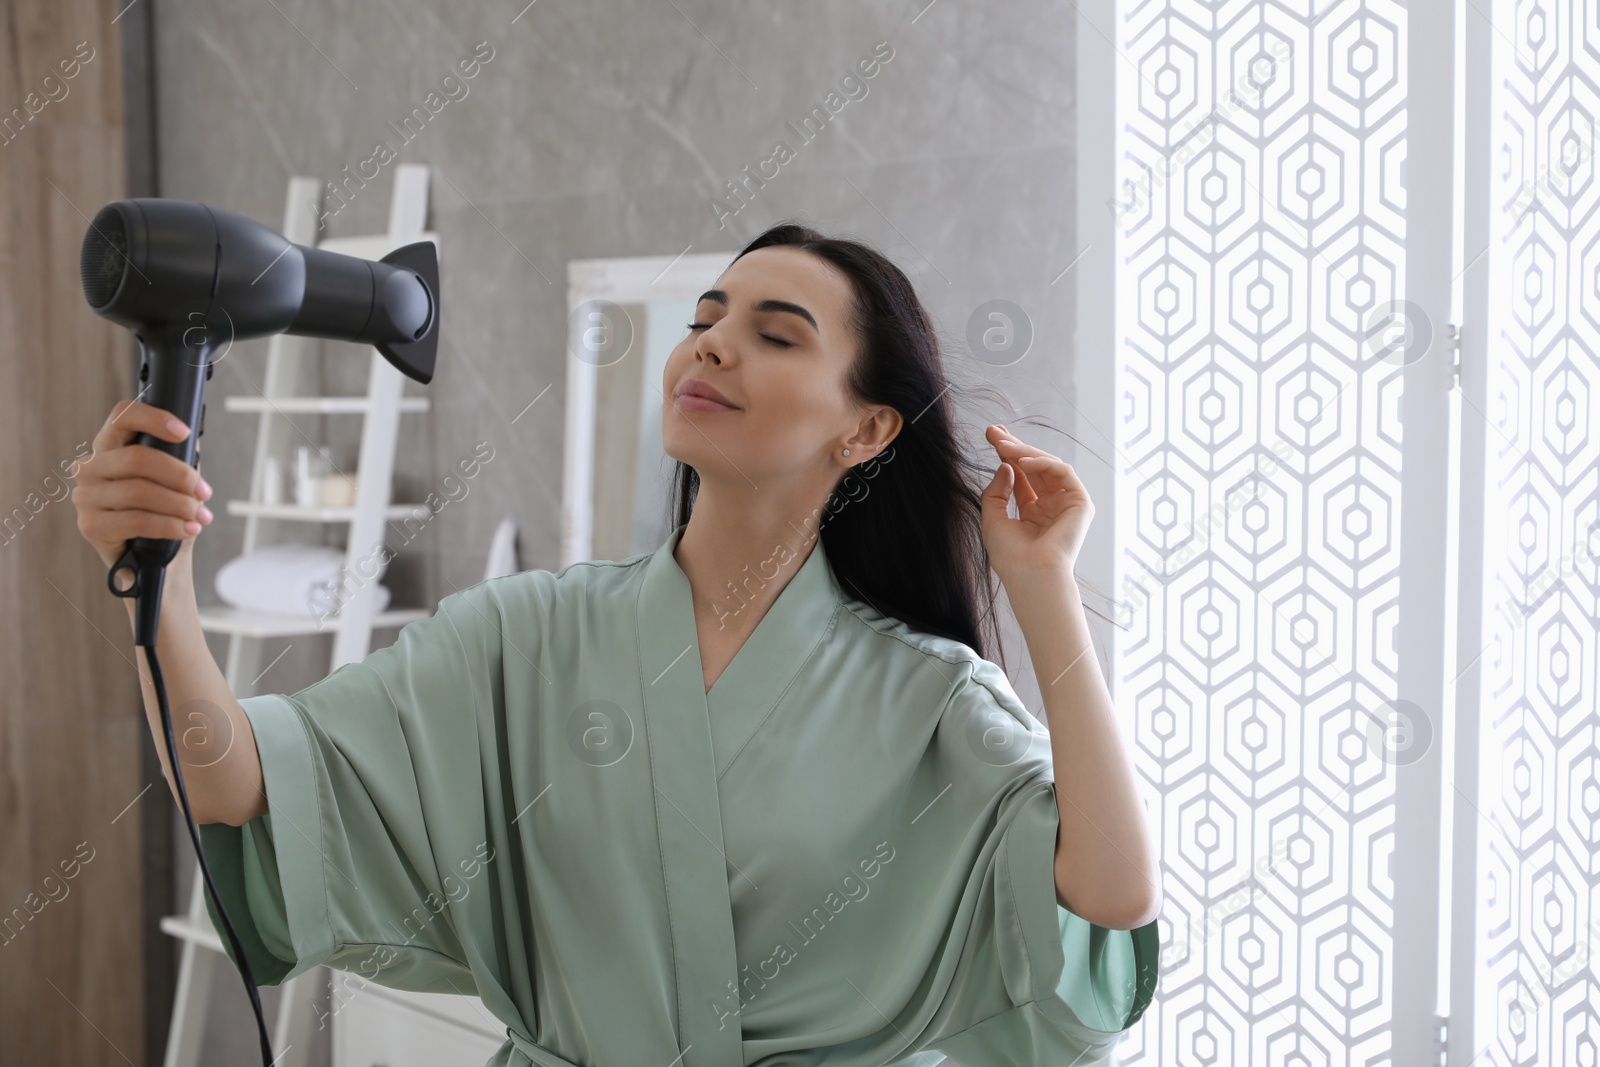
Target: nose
[(702, 348)]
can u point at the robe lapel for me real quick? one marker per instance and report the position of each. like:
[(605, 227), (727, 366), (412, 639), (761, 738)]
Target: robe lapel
[(691, 737), (752, 684)]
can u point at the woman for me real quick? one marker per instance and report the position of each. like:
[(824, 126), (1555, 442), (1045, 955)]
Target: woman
[(830, 844)]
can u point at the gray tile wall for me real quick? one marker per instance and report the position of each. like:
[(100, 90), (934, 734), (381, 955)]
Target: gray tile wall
[(609, 129)]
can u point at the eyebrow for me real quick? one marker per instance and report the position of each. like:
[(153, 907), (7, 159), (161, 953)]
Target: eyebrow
[(766, 305)]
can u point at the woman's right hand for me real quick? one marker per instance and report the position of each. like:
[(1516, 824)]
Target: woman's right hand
[(126, 490)]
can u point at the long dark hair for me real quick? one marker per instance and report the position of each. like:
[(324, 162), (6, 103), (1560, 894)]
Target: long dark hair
[(903, 530)]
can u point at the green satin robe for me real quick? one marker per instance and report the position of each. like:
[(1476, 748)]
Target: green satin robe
[(841, 854)]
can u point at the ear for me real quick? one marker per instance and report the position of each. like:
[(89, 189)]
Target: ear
[(880, 426)]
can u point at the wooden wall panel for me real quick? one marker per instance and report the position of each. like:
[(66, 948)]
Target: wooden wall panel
[(72, 739)]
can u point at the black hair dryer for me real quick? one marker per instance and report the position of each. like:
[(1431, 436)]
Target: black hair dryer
[(189, 280)]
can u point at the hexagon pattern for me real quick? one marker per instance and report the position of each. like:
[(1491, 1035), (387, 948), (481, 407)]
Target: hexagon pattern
[(1539, 679), (1261, 237), (1262, 149)]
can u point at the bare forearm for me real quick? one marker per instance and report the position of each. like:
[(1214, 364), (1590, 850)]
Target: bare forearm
[(1106, 866), (221, 770)]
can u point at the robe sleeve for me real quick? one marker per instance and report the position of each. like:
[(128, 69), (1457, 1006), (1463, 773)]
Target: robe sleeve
[(374, 824), (1035, 983)]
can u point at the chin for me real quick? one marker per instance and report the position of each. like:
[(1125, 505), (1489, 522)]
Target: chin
[(695, 451), (681, 448)]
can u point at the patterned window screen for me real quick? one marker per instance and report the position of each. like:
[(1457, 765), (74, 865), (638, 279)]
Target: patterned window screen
[(1260, 227), (1538, 921)]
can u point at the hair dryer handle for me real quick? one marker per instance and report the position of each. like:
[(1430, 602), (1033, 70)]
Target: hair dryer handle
[(176, 364)]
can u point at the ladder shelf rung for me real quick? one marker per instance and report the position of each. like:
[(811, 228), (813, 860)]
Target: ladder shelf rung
[(296, 513), (316, 405), (186, 929)]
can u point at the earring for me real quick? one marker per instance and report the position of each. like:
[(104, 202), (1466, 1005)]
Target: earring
[(847, 451)]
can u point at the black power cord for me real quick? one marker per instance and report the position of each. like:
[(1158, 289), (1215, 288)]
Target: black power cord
[(144, 578)]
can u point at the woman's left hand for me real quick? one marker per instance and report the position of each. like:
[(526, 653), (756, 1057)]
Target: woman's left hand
[(1053, 510)]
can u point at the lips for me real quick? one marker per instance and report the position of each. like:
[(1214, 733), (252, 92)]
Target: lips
[(702, 396)]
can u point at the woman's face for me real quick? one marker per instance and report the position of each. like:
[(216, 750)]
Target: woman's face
[(773, 338)]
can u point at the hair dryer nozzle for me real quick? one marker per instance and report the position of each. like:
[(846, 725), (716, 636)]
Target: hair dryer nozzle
[(415, 358)]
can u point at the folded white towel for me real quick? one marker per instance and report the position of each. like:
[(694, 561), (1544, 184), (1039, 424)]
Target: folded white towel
[(503, 550), (295, 579)]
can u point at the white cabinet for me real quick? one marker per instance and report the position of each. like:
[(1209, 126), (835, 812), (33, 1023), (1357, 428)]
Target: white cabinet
[(378, 1027)]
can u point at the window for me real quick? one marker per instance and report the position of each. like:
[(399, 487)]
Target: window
[(1358, 565)]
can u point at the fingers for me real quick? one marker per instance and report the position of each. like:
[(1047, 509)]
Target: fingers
[(152, 464), (125, 490), (996, 497), (114, 456), (1011, 450), (130, 494), (1038, 469), (1010, 446), (1058, 481), (110, 528), (129, 418), (1052, 471), (1046, 466)]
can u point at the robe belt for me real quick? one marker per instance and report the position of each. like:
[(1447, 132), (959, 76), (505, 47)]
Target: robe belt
[(537, 1055)]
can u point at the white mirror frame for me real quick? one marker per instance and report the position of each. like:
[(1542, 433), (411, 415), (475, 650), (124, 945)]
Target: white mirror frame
[(635, 280)]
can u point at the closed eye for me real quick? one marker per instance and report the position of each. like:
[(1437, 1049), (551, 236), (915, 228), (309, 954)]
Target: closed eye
[(765, 337)]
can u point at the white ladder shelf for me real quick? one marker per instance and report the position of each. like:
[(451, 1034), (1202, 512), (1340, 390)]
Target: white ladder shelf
[(352, 624)]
